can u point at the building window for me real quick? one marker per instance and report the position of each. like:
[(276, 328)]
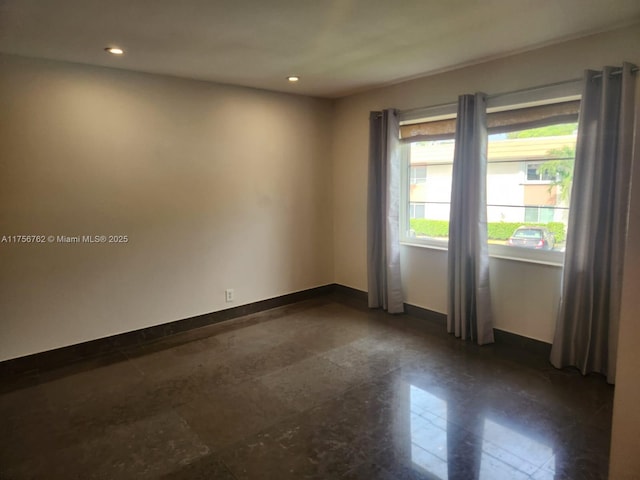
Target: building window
[(538, 214), (535, 174), (416, 210), (418, 174)]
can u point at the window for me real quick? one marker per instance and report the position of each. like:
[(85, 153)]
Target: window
[(416, 210), (529, 177), (535, 174), (538, 214), (418, 174), (428, 200)]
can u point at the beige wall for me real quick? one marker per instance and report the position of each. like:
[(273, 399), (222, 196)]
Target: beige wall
[(540, 195), (216, 186)]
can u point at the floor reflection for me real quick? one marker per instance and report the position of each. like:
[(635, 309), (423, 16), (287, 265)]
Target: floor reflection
[(511, 453), (495, 449), (428, 416)]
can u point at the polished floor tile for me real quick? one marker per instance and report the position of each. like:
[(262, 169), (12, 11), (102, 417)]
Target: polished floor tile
[(226, 415), (323, 389), (309, 382), (145, 449)]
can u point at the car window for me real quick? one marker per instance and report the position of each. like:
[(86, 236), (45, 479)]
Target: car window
[(528, 233)]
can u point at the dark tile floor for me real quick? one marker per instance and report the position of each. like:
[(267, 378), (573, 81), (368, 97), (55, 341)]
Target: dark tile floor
[(322, 389)]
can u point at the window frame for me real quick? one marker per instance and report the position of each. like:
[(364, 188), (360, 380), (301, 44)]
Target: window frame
[(405, 209), (434, 113), (557, 93), (547, 257)]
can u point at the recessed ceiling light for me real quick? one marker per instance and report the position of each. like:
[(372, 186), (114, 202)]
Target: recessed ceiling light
[(114, 50), (293, 78)]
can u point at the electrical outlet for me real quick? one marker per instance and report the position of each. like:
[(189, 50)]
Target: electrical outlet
[(228, 295)]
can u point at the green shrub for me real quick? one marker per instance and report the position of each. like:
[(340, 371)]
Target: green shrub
[(501, 230), (558, 230), (430, 228), (495, 230)]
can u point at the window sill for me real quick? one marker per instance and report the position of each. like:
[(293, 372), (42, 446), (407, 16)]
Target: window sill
[(539, 261), (554, 261), (431, 246)]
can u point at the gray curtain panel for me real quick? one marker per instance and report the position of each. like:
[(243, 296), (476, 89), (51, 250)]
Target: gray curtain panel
[(587, 327), (383, 213), (469, 297)]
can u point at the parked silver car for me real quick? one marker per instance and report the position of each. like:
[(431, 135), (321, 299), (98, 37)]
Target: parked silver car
[(532, 237)]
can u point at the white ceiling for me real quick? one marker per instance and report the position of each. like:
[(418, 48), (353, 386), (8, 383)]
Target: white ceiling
[(336, 46)]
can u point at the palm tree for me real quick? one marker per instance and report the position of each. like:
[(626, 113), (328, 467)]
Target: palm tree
[(560, 168)]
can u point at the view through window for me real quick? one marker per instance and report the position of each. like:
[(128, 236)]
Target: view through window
[(529, 181), (429, 201)]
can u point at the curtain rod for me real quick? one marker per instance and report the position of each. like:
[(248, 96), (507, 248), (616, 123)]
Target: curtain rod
[(618, 71), (496, 95), (533, 89), (417, 109)]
